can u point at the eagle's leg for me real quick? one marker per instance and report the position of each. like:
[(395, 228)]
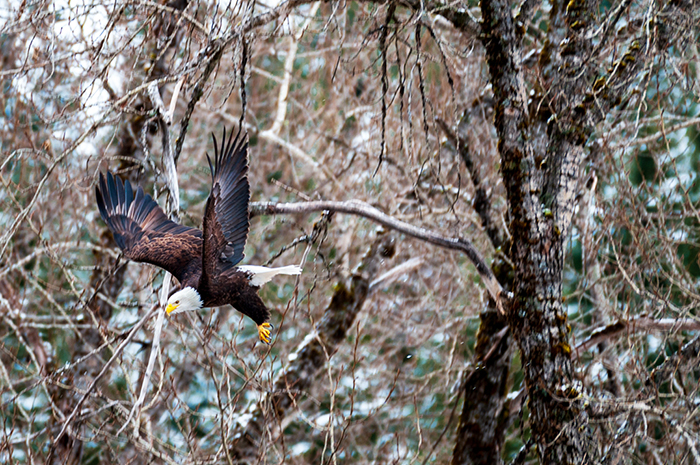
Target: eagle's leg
[(264, 332)]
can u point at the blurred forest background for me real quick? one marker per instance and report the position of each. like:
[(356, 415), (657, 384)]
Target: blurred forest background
[(471, 120)]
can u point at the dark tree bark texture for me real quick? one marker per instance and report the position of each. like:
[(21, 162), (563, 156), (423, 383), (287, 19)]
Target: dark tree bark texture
[(541, 142)]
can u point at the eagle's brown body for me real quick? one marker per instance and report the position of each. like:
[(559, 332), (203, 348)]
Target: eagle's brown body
[(203, 260)]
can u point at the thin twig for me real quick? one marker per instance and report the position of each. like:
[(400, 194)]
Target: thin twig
[(288, 68), (117, 353)]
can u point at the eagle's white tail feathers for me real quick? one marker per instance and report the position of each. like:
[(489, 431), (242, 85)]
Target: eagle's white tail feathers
[(259, 275)]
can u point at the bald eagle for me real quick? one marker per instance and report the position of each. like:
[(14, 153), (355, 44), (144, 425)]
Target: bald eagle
[(204, 262)]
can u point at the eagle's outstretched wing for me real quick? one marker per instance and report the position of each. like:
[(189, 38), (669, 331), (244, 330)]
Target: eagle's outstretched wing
[(226, 215), (143, 231)]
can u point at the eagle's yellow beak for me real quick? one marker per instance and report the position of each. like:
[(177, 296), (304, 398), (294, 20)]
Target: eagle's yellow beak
[(169, 309)]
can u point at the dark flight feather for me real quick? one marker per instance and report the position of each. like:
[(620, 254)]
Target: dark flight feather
[(226, 221), (143, 231)]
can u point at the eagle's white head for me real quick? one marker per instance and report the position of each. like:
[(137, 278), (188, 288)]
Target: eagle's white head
[(184, 300)]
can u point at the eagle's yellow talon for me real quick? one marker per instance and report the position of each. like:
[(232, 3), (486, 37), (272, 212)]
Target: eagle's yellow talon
[(264, 332)]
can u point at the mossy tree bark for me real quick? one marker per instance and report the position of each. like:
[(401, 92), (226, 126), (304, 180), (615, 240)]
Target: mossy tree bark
[(542, 129)]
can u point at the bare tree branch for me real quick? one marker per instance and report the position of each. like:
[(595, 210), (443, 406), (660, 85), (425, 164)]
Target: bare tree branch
[(635, 325), (482, 204), (174, 204), (367, 211)]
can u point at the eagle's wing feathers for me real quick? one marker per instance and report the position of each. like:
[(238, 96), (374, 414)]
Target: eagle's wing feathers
[(143, 231), (226, 215)]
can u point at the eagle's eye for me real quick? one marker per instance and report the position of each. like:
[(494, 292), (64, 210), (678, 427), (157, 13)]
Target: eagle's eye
[(177, 302)]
